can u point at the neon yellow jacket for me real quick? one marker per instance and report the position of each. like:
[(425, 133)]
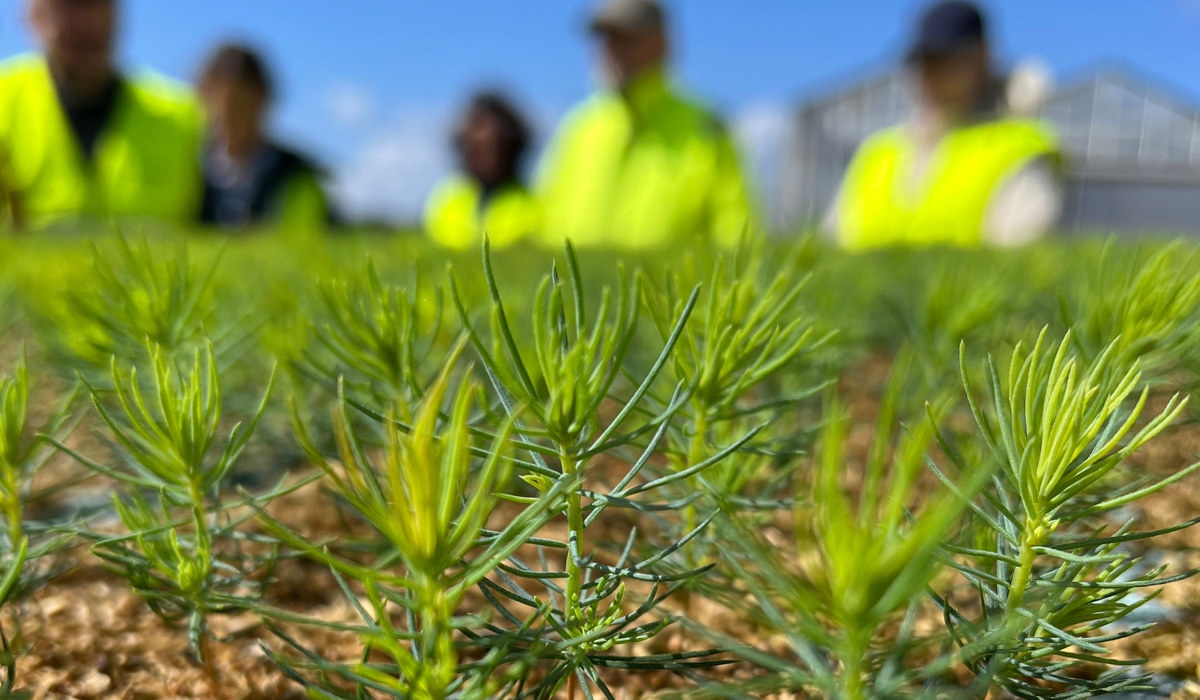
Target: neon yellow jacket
[(146, 163), (455, 219), (880, 206), (305, 207), (643, 171)]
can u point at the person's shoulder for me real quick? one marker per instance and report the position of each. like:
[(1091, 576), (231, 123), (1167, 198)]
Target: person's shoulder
[(159, 93), (21, 64), (1024, 136), (714, 124), (448, 199), (451, 188), (454, 183), (21, 68), (1034, 130), (705, 117), (294, 160), (878, 145), (25, 89), (697, 114), (595, 108), (886, 138)]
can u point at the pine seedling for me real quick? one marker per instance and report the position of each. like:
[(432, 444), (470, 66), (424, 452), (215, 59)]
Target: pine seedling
[(16, 465), (1151, 306), (847, 602), (955, 303), (743, 334), (734, 357), (380, 340), (181, 552), (24, 543), (576, 373), (1050, 565), (8, 318), (430, 496), (134, 295)]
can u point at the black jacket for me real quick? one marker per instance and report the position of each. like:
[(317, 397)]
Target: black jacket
[(259, 197)]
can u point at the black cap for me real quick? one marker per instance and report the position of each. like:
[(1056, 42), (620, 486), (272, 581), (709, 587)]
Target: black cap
[(946, 28)]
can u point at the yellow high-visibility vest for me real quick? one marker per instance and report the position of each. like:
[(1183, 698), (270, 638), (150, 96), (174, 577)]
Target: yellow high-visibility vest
[(881, 206), (145, 164), (455, 219), (645, 170), (304, 209)]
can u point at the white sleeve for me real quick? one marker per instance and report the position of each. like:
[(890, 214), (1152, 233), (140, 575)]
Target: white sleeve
[(829, 223), (1026, 207)]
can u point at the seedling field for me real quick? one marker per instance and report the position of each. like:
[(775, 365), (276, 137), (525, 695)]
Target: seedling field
[(366, 468)]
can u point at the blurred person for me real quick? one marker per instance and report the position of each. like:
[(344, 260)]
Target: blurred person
[(249, 179), (11, 217), (638, 165), (488, 196), (969, 169), (83, 138)]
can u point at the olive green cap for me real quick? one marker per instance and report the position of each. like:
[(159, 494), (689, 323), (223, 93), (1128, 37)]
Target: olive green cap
[(627, 15)]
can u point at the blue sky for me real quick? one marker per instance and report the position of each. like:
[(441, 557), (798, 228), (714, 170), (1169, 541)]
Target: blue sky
[(369, 85)]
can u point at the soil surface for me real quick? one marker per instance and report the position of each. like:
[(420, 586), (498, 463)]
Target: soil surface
[(86, 635)]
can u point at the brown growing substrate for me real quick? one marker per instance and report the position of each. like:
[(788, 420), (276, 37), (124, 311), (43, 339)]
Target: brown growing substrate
[(89, 636)]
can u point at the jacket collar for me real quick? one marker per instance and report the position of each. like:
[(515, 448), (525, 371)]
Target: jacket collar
[(646, 93)]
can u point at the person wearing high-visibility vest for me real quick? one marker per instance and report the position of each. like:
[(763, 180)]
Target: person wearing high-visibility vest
[(965, 171), (251, 180), (83, 139), (487, 196), (11, 216), (639, 165)]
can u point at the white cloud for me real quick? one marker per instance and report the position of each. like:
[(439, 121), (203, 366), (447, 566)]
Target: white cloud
[(393, 168), (349, 105), (761, 126), (762, 133)]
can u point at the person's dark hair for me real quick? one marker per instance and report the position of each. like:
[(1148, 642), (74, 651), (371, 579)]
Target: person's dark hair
[(238, 63), (515, 135)]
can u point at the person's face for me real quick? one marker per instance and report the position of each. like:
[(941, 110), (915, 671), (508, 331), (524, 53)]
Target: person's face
[(77, 38), (482, 147), (953, 84), (236, 111), (627, 54)]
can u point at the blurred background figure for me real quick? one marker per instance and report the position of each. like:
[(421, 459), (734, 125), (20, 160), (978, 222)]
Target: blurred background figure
[(488, 195), (11, 217), (966, 170), (250, 180), (82, 137), (638, 165)]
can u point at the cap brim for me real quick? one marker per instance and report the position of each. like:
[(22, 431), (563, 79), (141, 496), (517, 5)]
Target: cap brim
[(604, 23), (923, 52), (918, 54)]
